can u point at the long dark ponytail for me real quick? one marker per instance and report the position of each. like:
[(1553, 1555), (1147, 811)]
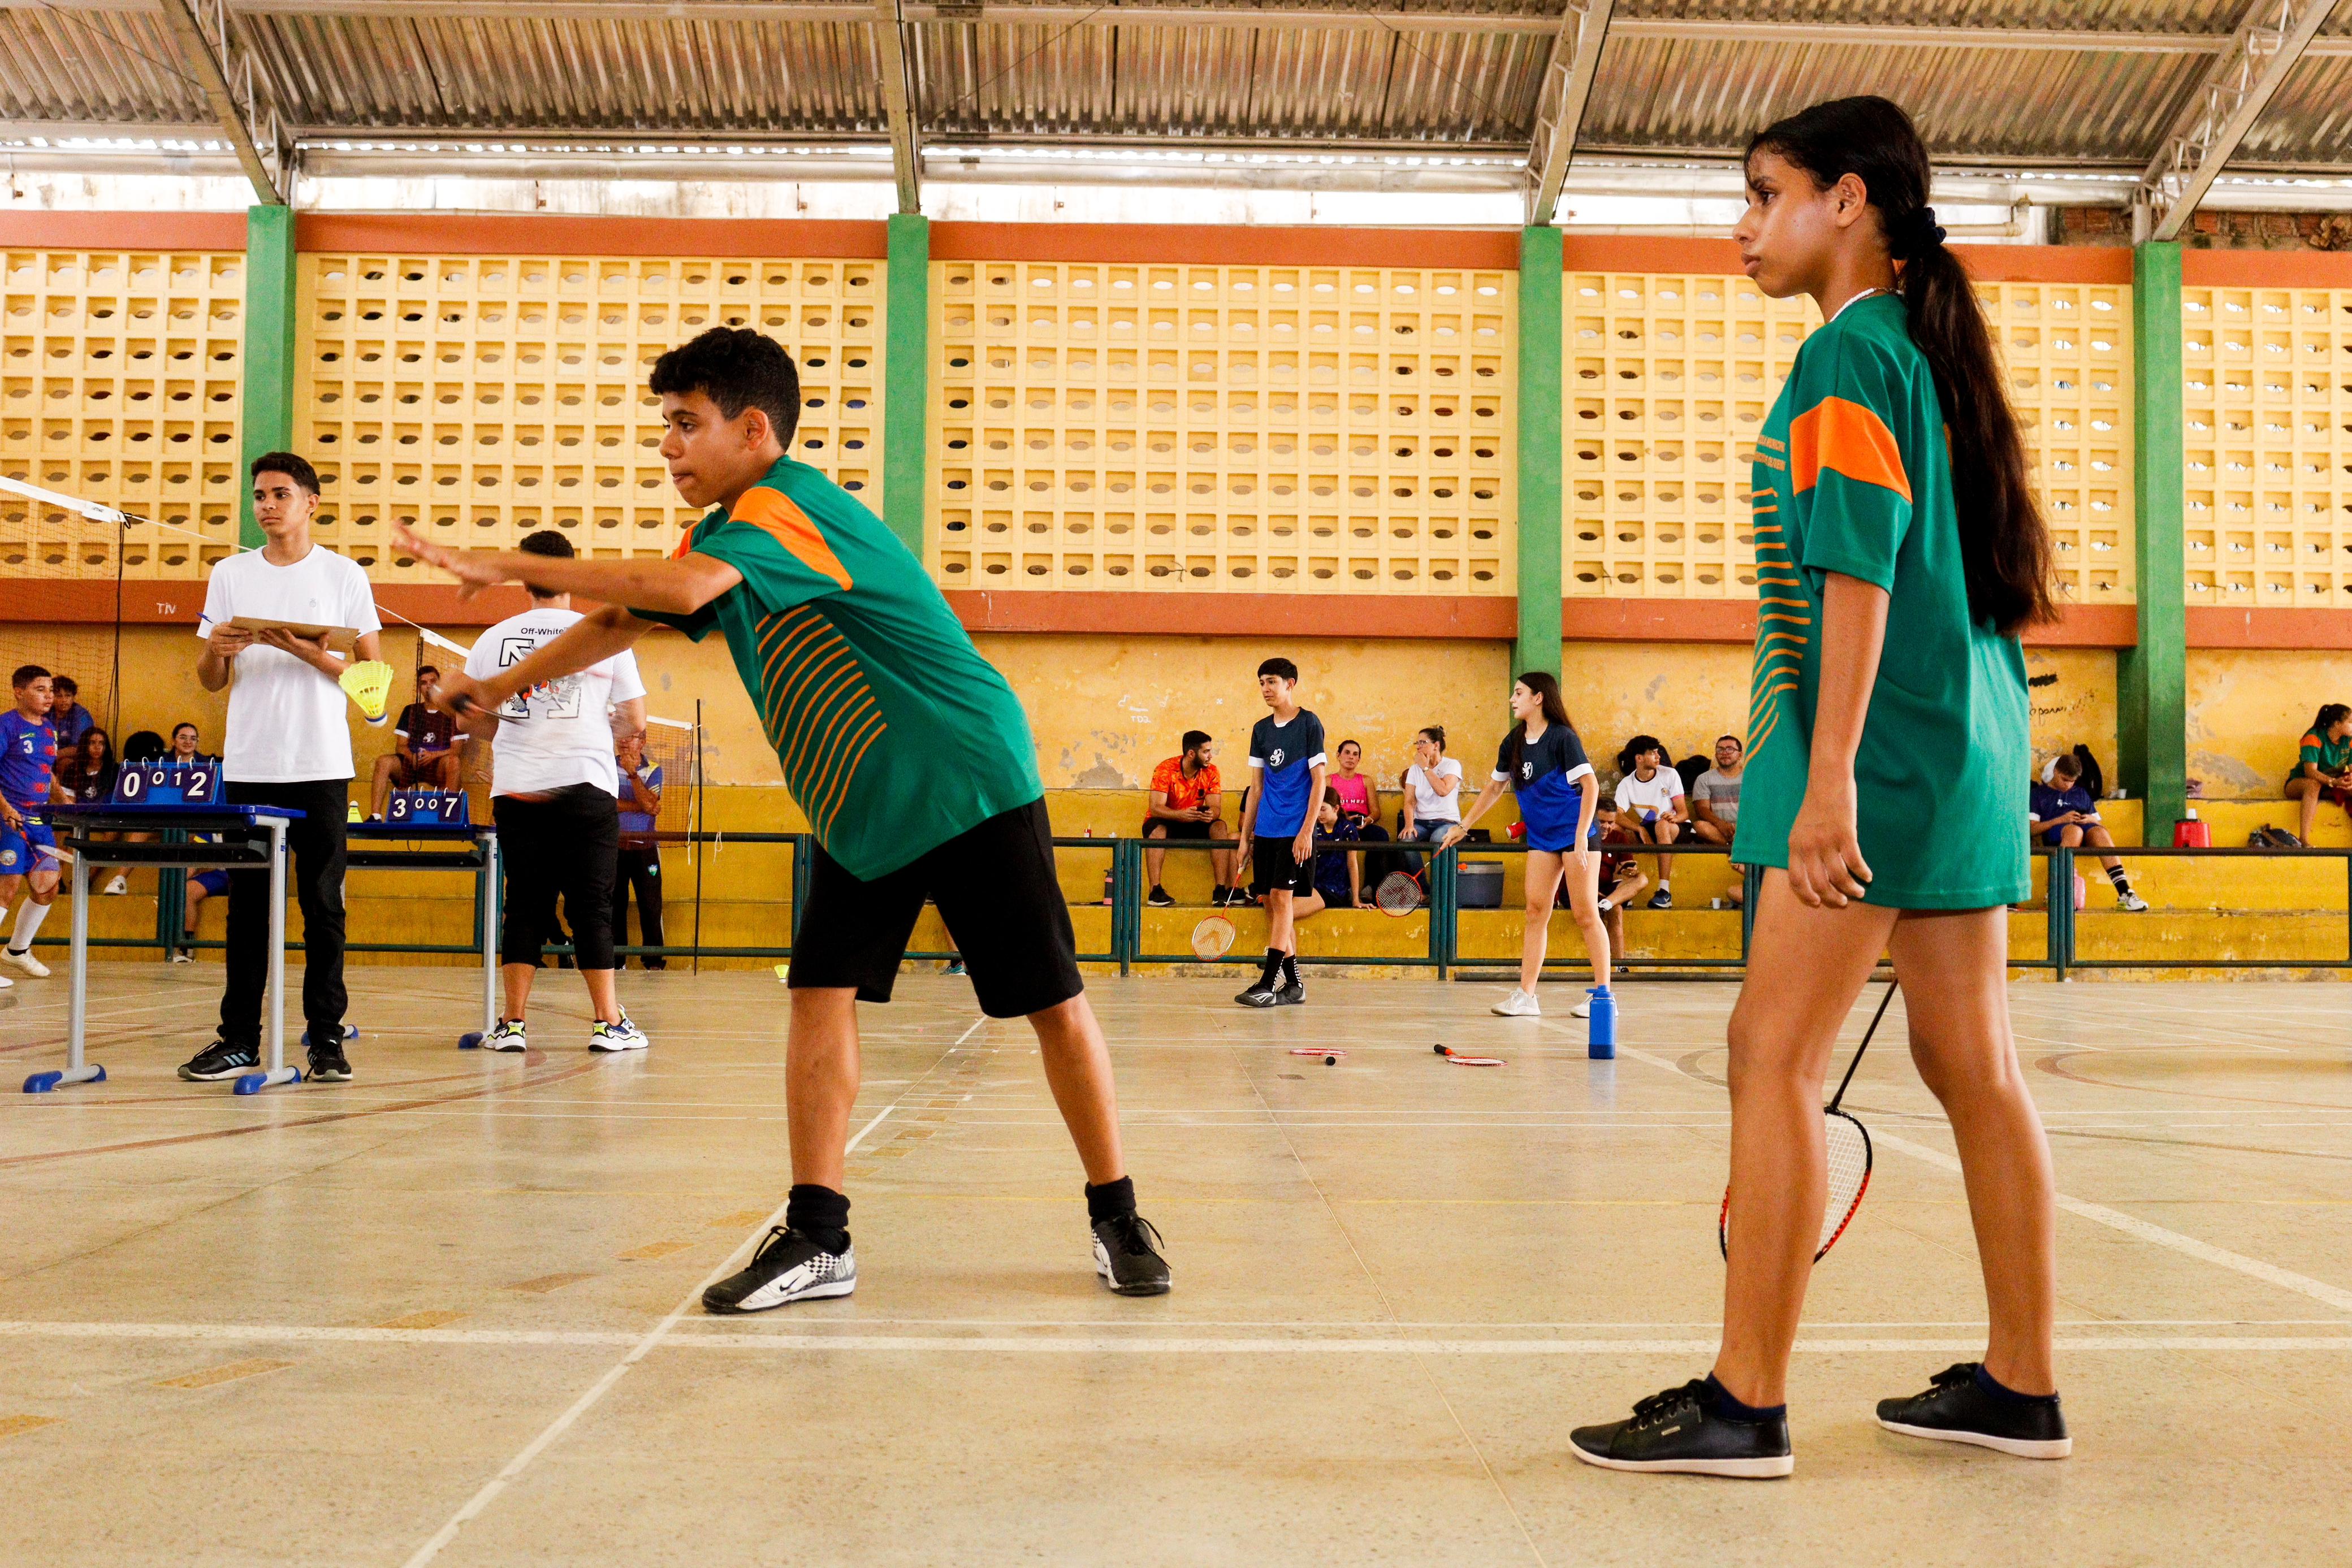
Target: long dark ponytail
[(2330, 715), (2004, 543), (1555, 711)]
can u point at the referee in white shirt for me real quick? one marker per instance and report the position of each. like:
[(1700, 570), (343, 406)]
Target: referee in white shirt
[(288, 744)]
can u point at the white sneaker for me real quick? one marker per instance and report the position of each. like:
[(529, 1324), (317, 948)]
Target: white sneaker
[(506, 1035), (183, 955), (2132, 903), (1519, 1003), (621, 1036), (120, 885), (27, 962), (1580, 1010)]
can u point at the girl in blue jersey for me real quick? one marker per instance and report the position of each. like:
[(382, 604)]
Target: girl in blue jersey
[(1544, 761)]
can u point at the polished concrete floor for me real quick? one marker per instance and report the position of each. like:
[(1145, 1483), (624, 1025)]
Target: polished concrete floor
[(445, 1313)]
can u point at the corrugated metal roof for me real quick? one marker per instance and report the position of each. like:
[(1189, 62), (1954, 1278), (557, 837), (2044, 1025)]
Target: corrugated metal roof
[(337, 68)]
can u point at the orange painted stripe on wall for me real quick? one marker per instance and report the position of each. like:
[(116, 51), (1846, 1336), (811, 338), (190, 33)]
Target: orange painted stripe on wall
[(465, 234), (2266, 269), (123, 231), (1986, 263), (1268, 615), (1228, 245)]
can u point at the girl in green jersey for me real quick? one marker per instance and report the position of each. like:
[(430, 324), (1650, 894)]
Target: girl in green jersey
[(1899, 552)]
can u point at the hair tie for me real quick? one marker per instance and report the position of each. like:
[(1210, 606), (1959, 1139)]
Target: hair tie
[(1916, 235)]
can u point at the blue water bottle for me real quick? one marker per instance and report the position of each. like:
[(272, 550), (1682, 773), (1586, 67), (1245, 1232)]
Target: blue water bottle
[(1601, 1038)]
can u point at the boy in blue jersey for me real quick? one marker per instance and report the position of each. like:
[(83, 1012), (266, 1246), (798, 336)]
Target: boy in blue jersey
[(1286, 756), (2065, 814), (29, 756)]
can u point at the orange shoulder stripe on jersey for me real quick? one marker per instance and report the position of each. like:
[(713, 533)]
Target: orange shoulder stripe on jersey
[(774, 511), (1846, 437)]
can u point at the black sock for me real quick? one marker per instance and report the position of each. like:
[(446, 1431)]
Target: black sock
[(820, 1214), (1111, 1199), (1290, 970), (2116, 874), (1731, 1409), (2001, 1391), (1273, 957)]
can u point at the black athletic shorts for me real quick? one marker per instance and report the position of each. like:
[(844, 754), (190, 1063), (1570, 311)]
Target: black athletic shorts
[(1273, 869), (998, 893), (1169, 828)]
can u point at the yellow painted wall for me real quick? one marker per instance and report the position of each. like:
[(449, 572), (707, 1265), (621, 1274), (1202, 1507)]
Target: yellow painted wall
[(2248, 709)]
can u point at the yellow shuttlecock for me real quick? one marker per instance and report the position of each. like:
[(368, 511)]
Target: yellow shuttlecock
[(368, 683)]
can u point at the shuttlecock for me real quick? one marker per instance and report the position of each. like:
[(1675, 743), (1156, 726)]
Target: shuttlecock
[(368, 683)]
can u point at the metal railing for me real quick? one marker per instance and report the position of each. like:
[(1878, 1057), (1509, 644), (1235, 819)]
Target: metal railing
[(1125, 890)]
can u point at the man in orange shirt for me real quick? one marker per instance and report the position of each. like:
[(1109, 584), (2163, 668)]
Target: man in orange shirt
[(1188, 802)]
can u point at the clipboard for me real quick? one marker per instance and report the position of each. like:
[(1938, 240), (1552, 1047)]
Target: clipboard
[(339, 639)]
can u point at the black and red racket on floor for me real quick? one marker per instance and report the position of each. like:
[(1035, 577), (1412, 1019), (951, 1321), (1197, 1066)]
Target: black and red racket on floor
[(1848, 1144)]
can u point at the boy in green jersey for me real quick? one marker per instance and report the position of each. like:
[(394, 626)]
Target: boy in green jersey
[(908, 751)]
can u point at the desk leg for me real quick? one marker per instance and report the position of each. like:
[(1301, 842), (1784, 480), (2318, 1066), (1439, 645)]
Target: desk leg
[(76, 1069), (486, 902), (278, 1072)]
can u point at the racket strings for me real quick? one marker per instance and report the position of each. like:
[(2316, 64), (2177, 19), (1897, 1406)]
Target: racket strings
[(1848, 1148), (1399, 893)]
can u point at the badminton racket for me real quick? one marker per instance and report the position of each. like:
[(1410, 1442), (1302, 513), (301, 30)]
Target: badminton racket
[(1849, 1156), (98, 512), (1329, 1053), (1213, 938), (1399, 893), (1459, 1060)]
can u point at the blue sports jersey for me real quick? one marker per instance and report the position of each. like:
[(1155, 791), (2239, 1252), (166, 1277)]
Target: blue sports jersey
[(28, 757), (1284, 757), (1544, 774), (639, 821)]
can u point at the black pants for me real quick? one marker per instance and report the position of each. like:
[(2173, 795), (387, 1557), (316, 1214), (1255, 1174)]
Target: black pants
[(564, 845), (639, 870), (317, 873)]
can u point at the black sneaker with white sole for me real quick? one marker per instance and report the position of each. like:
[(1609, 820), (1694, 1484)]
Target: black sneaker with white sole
[(787, 1268), (1958, 1407), (1126, 1256), (1681, 1431), (220, 1060), (1266, 991), (329, 1064), (1158, 898)]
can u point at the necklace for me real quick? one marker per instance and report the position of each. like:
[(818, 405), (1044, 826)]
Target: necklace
[(1856, 300)]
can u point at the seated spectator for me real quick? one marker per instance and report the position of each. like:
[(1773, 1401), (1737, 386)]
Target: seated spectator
[(1650, 805), (1620, 876), (2065, 814), (1715, 799), (1187, 801), (1432, 793), (1332, 889), (67, 715), (424, 753), (187, 749), (87, 774), (144, 746), (1359, 811), (2324, 772)]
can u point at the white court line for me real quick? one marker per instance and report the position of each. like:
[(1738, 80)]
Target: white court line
[(1090, 1344), (2099, 1214), (638, 1353)]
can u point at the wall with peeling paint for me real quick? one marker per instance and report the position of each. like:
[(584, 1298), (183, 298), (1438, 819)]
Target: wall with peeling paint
[(2248, 709)]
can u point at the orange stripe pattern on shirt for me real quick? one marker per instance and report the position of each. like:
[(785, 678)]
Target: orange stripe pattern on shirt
[(816, 707), (1783, 622)]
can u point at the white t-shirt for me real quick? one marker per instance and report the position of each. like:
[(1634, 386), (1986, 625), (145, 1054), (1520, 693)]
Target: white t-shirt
[(1428, 805), (556, 734), (286, 720), (1659, 795)]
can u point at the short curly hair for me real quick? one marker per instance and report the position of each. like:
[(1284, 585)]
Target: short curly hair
[(736, 369)]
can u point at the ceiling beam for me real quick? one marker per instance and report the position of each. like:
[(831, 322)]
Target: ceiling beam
[(2271, 36), (226, 71), (891, 42), (1561, 100)]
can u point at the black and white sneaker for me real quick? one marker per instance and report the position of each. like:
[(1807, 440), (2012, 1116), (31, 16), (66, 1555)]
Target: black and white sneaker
[(1266, 991), (1679, 1430), (1663, 899), (1292, 994), (329, 1065), (220, 1060), (1959, 1408), (1158, 898), (788, 1267), (1126, 1256)]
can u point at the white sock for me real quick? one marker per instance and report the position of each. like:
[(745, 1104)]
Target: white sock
[(29, 917)]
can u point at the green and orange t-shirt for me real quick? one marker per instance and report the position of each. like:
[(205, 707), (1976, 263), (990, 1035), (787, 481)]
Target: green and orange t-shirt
[(2330, 757), (1853, 476), (894, 734)]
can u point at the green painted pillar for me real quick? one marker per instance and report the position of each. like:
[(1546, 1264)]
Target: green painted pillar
[(2152, 678), (268, 349), (1540, 452), (906, 380)]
